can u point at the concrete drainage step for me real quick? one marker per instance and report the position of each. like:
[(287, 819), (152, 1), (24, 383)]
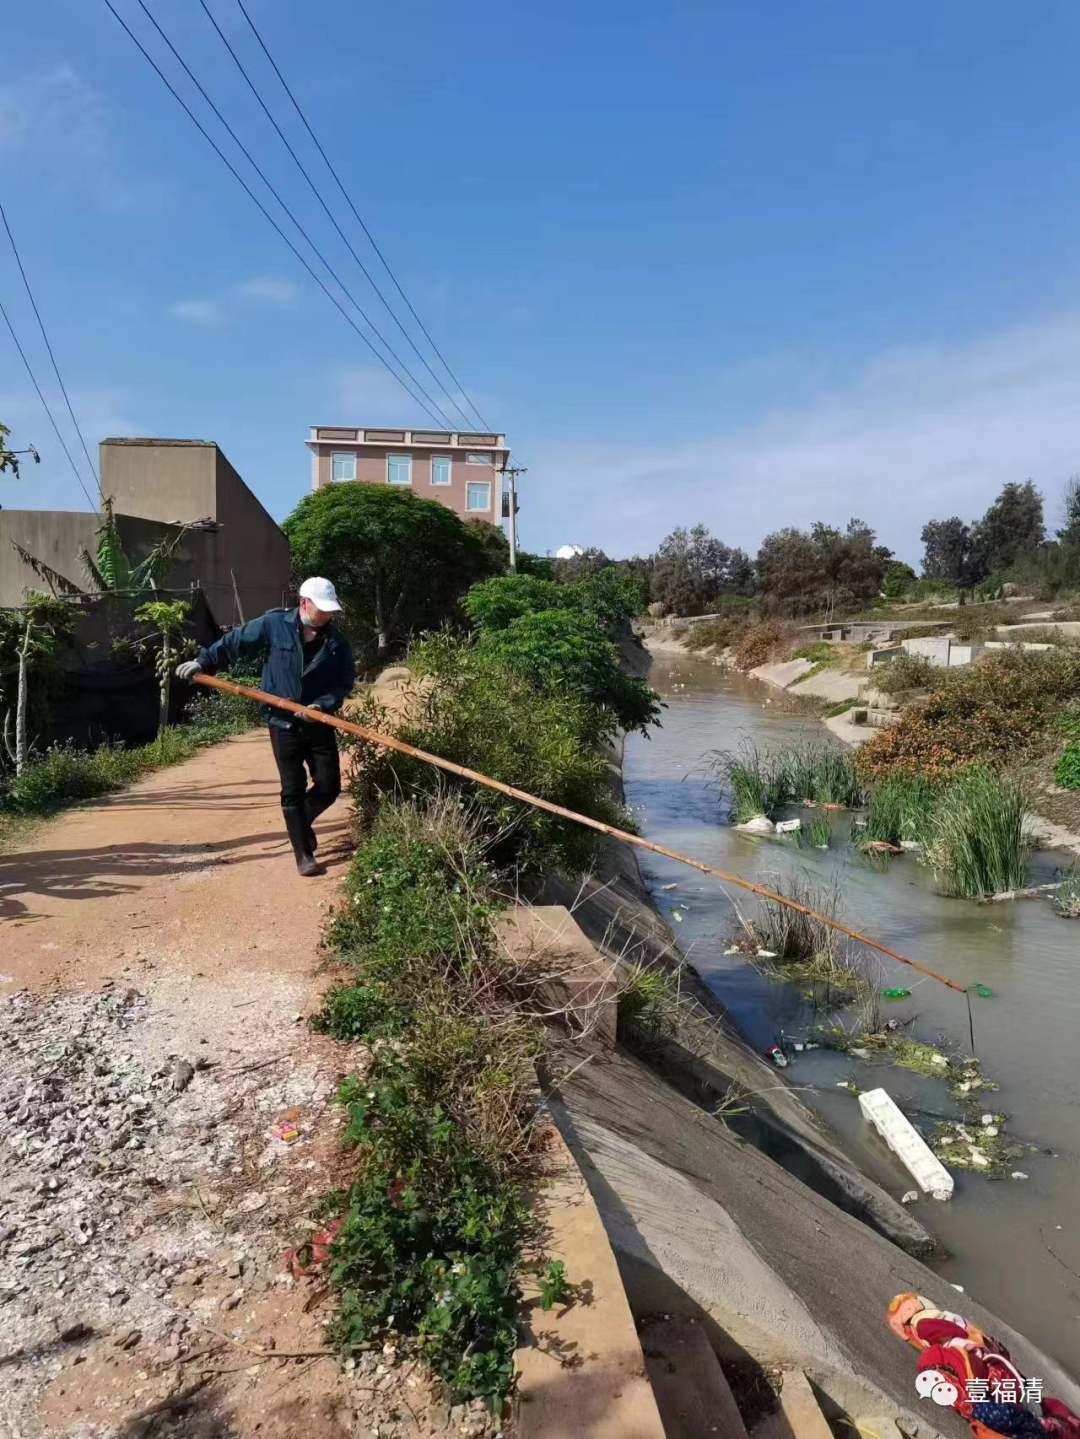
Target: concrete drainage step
[(691, 1392), (799, 1416)]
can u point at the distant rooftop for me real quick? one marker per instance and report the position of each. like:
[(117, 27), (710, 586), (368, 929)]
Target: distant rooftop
[(142, 440)]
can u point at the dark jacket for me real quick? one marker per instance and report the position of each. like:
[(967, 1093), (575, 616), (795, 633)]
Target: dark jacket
[(275, 639)]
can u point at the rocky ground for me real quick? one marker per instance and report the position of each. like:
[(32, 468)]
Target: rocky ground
[(166, 1128)]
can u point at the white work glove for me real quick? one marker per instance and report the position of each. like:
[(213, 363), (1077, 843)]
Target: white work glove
[(188, 670)]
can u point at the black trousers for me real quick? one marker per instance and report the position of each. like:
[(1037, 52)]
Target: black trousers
[(315, 746)]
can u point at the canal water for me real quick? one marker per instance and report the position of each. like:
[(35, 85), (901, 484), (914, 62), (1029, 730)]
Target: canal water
[(1001, 1236)]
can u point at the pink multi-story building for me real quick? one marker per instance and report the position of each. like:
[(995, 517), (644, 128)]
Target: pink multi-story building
[(461, 469)]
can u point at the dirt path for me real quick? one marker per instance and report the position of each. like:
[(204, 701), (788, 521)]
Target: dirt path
[(165, 1125)]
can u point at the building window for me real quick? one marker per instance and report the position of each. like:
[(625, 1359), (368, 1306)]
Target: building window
[(479, 457), (440, 469), (399, 469), (478, 495), (343, 465)]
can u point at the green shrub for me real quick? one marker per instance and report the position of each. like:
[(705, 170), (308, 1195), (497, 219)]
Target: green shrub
[(493, 604), (1067, 769), (568, 651), (430, 1238), (990, 712), (976, 842), (418, 890), (480, 715)]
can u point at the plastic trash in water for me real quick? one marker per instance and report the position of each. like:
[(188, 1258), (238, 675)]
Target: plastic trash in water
[(983, 991), (896, 993), (777, 1055)]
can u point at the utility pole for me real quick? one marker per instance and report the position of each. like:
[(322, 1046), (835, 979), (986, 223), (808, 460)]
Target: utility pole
[(512, 472)]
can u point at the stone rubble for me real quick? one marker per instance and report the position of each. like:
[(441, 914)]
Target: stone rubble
[(145, 1209)]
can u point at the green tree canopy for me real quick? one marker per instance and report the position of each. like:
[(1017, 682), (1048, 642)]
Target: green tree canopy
[(1012, 527), (400, 564), (947, 551), (693, 568)]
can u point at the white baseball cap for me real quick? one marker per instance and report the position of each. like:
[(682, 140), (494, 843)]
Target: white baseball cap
[(321, 593)]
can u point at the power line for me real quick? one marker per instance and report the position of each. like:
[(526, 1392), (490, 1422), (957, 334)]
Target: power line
[(329, 213), (262, 176), (348, 200), (45, 405), (262, 208), (45, 337)]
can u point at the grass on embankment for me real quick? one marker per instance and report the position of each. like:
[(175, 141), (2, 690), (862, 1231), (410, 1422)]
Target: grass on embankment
[(430, 1236), (64, 776)]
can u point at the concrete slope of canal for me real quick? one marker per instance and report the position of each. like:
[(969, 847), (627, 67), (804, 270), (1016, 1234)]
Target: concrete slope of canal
[(1013, 1244)]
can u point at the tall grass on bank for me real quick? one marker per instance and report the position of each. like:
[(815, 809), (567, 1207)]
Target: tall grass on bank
[(976, 841), (63, 775)]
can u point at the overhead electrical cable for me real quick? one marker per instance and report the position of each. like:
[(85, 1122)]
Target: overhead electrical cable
[(329, 213), (262, 176), (45, 404), (359, 220), (48, 346), (428, 408)]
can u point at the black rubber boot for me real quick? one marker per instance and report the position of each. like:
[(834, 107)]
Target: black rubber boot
[(297, 825), (314, 805)]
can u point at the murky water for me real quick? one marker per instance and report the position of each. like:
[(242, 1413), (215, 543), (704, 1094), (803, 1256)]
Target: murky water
[(998, 1234)]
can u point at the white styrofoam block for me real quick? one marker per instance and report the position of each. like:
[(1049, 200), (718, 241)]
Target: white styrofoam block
[(906, 1143)]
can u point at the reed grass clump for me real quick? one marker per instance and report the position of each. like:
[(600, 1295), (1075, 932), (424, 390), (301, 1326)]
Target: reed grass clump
[(899, 810), (977, 843)]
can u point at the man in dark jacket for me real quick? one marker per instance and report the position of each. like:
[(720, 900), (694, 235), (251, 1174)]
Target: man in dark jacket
[(305, 658)]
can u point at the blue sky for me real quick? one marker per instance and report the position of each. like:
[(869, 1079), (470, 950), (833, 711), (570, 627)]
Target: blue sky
[(751, 264)]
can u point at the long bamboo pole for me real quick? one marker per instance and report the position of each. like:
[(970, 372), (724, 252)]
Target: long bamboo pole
[(389, 742)]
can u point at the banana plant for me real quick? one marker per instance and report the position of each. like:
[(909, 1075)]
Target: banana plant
[(168, 643)]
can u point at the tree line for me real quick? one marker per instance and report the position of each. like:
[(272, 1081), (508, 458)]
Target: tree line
[(824, 569)]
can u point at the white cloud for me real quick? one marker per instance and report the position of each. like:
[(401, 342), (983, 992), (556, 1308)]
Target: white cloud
[(59, 129), (922, 431), (268, 290), (197, 312)]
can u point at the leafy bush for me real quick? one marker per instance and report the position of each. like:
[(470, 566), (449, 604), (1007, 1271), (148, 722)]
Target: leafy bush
[(493, 604), (979, 622), (480, 715), (611, 598), (568, 651), (976, 842), (1067, 769), (990, 712), (430, 1240)]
